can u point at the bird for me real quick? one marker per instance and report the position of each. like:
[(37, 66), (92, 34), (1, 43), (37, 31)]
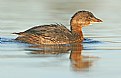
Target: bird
[(58, 33)]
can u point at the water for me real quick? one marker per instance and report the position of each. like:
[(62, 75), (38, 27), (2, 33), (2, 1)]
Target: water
[(98, 57)]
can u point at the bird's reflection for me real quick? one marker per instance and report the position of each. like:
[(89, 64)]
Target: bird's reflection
[(78, 61), (50, 49)]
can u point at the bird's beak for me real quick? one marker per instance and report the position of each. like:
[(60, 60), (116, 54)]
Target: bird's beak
[(96, 20)]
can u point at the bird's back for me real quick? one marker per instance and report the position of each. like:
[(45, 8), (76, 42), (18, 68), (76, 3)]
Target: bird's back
[(46, 34)]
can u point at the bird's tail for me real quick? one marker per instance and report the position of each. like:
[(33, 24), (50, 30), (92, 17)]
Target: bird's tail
[(20, 33)]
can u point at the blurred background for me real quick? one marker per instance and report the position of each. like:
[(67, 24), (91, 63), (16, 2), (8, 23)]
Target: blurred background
[(19, 15)]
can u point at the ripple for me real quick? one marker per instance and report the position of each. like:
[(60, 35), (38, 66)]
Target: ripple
[(91, 41), (4, 40), (7, 40), (12, 41)]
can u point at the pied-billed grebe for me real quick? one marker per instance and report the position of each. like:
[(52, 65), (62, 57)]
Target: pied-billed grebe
[(59, 34)]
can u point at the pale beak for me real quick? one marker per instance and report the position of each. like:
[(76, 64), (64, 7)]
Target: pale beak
[(96, 20)]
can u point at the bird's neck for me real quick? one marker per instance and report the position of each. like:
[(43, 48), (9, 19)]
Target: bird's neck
[(76, 29)]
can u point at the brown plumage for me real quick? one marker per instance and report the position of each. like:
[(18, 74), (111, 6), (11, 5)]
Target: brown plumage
[(59, 34)]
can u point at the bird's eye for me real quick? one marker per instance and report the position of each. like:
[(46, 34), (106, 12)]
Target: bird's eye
[(89, 17)]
